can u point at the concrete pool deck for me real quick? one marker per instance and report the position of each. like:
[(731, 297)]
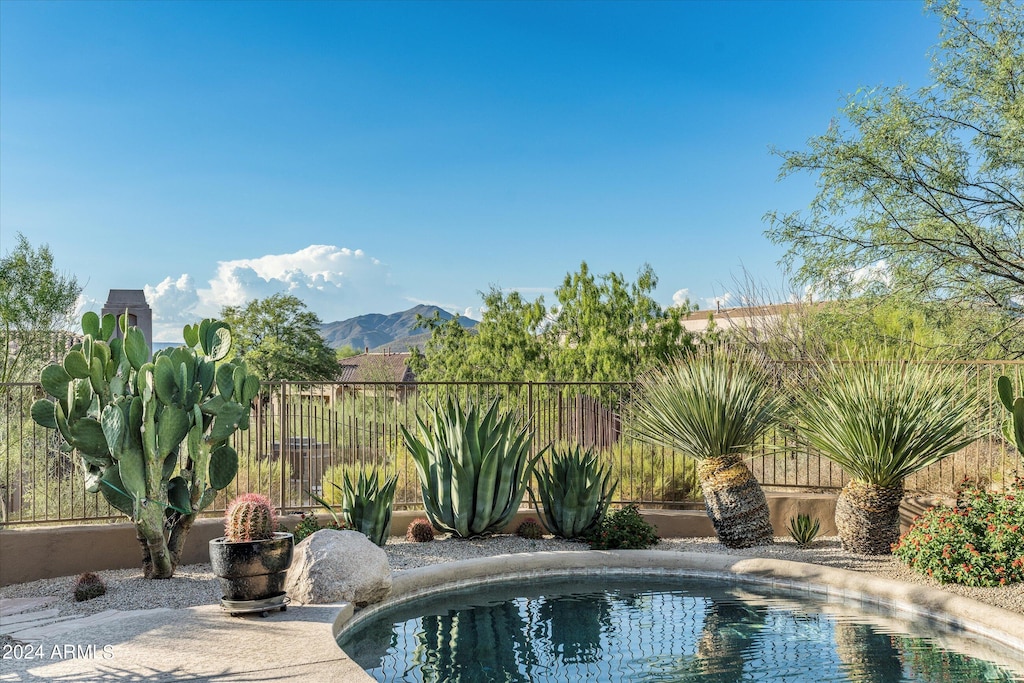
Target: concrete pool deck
[(205, 644)]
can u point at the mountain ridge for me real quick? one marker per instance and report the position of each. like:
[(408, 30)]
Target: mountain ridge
[(377, 330)]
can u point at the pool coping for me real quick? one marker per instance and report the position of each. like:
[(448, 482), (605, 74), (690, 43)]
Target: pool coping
[(908, 600)]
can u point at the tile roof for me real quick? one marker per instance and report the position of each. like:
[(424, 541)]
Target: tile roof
[(376, 367)]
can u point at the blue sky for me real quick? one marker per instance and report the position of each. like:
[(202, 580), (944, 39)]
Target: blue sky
[(369, 156)]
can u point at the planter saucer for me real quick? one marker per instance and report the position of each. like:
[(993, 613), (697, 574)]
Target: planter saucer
[(263, 607)]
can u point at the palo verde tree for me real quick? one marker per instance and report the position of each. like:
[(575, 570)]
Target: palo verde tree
[(36, 301), (608, 329), (927, 185), (603, 328), (505, 346), (279, 338)]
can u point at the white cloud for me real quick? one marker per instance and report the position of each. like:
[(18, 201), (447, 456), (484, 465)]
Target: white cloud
[(718, 301), (876, 273), (681, 297), (330, 280), (174, 305)]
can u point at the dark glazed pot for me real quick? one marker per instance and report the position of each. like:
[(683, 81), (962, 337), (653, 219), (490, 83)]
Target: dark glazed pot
[(252, 570)]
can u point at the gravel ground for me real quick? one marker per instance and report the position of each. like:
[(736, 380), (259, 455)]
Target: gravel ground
[(195, 584)]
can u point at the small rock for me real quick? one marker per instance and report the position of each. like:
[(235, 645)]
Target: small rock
[(331, 566)]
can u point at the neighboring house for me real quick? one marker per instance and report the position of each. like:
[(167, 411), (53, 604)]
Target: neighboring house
[(376, 367), (741, 316)]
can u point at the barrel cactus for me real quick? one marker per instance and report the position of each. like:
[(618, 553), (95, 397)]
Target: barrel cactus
[(151, 435), (249, 517)]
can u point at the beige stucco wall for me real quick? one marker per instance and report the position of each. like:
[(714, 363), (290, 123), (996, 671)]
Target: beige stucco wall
[(27, 554)]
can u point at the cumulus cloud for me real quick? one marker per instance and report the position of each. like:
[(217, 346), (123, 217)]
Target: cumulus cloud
[(174, 305), (334, 282), (681, 297), (876, 273), (718, 301)]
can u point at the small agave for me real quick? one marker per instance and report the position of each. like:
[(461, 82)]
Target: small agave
[(803, 530)]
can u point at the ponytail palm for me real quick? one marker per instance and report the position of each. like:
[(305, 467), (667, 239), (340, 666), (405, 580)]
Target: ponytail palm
[(714, 406), (882, 422)]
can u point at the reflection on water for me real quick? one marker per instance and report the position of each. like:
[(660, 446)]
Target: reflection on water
[(653, 631)]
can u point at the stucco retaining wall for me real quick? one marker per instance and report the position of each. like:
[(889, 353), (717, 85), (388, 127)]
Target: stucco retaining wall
[(28, 554)]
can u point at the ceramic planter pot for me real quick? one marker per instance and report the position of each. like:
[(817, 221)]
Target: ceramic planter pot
[(252, 570)]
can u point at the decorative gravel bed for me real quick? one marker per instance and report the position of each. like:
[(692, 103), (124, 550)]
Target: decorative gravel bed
[(195, 584)]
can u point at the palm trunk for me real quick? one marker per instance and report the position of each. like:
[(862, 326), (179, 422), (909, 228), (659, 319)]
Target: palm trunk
[(868, 517), (867, 655), (735, 502)]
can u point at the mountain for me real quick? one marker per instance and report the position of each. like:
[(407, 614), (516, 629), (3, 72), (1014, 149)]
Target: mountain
[(375, 330)]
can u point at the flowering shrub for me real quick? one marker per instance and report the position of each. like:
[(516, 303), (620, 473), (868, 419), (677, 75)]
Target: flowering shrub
[(979, 542), (624, 529)]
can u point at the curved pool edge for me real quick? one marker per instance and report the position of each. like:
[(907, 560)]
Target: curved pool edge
[(916, 600)]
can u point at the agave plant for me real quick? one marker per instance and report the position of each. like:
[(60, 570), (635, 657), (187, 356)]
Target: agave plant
[(366, 505), (882, 422), (473, 467), (575, 489), (713, 407), (803, 529)]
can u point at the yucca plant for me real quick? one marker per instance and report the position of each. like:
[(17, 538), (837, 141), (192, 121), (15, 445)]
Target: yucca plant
[(575, 490), (881, 422), (713, 407), (473, 467), (803, 529), (366, 505)]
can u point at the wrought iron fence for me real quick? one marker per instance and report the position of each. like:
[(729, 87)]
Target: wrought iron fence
[(302, 434)]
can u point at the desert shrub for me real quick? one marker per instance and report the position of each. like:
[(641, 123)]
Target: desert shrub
[(309, 525), (89, 586), (624, 529), (978, 542), (531, 529), (420, 531)]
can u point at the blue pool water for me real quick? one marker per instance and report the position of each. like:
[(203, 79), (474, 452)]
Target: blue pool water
[(656, 630)]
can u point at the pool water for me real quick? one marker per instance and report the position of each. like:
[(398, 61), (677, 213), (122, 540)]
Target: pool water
[(656, 630)]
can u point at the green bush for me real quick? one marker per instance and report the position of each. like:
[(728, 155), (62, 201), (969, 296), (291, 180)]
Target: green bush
[(624, 529), (979, 542), (309, 525)]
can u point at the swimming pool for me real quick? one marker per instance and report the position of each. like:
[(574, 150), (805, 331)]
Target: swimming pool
[(642, 629), (661, 625)]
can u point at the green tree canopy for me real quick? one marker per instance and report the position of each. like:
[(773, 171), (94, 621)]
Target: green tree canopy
[(603, 328), (36, 303), (607, 329), (279, 338), (927, 186)]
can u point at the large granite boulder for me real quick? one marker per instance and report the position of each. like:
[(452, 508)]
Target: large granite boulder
[(333, 566)]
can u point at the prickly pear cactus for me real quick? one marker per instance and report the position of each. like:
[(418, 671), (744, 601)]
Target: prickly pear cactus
[(1013, 427), (151, 435), (249, 517)]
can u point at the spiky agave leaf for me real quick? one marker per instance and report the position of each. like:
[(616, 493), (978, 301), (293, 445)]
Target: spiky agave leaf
[(473, 466), (883, 421), (575, 490)]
